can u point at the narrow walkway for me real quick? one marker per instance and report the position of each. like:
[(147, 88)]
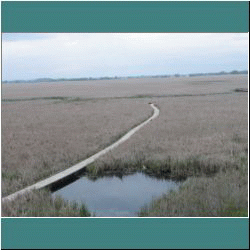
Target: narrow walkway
[(57, 177)]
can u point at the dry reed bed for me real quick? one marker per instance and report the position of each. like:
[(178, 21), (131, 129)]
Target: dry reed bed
[(224, 195), (40, 138), (39, 203), (128, 87), (195, 137), (208, 126)]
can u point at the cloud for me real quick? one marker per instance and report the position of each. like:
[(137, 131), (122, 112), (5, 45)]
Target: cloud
[(12, 37), (28, 56)]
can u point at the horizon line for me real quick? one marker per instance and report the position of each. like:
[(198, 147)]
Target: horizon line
[(48, 79)]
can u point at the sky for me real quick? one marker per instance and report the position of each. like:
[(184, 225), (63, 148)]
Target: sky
[(27, 56)]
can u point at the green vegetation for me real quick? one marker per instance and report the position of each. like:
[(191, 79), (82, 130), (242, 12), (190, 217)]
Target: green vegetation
[(39, 203), (57, 98), (10, 175), (179, 169), (241, 90)]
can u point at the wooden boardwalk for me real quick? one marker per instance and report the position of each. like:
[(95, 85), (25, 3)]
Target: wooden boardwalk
[(76, 168)]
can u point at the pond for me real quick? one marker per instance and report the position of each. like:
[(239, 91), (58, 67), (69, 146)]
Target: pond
[(113, 196)]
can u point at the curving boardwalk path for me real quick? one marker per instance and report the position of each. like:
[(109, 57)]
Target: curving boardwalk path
[(57, 177)]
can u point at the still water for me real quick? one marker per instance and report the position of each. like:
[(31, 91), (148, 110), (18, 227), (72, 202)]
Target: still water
[(116, 196)]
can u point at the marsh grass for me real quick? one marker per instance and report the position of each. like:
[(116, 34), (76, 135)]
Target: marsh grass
[(169, 168), (210, 188), (223, 195), (67, 99), (41, 138), (128, 87), (47, 128), (112, 165), (61, 98), (39, 203), (241, 90), (19, 178), (181, 169)]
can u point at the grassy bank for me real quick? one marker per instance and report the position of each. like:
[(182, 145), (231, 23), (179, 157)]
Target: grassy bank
[(170, 168), (39, 203), (223, 195)]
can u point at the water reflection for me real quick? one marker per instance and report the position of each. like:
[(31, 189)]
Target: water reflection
[(116, 195)]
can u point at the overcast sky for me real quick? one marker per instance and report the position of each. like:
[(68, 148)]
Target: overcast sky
[(72, 55)]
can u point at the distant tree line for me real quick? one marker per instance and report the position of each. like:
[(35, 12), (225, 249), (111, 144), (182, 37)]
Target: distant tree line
[(221, 73), (39, 80)]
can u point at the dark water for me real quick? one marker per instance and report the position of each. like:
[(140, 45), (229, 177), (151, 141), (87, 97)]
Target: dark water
[(114, 196)]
